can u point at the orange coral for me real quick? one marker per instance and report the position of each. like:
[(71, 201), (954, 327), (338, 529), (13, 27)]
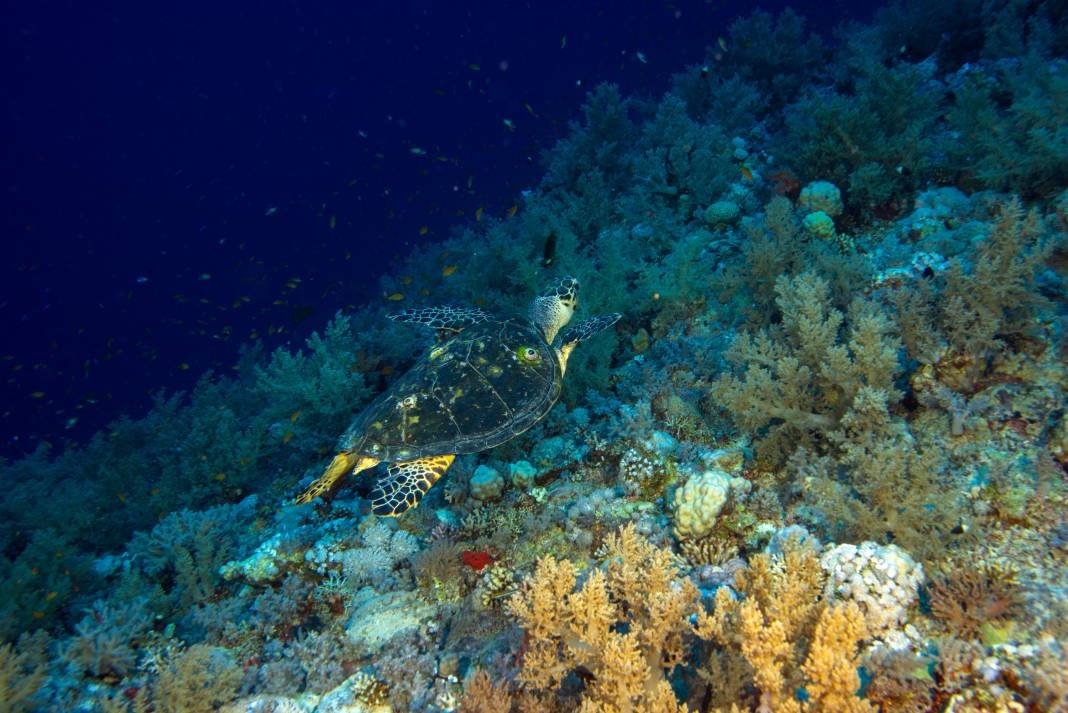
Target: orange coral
[(831, 667), (788, 638), (627, 626), (482, 696)]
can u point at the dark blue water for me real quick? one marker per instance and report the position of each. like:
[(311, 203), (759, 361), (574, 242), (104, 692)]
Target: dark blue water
[(173, 169)]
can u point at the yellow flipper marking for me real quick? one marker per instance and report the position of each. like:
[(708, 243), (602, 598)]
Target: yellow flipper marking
[(405, 484), (343, 463)]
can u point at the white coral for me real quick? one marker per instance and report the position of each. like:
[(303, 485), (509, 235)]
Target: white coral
[(882, 579)]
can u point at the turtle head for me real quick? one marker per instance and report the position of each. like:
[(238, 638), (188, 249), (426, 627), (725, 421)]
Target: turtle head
[(554, 305), (580, 332)]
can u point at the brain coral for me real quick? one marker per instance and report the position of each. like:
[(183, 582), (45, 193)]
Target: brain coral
[(821, 195), (486, 483), (819, 224), (722, 213), (699, 502)]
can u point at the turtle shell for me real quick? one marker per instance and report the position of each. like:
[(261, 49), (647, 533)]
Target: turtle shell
[(478, 389)]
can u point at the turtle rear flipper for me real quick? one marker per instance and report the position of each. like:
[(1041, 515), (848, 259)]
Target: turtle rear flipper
[(405, 484), (449, 318), (343, 463)]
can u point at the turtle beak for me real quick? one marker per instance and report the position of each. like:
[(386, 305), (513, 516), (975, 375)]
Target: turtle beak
[(550, 314)]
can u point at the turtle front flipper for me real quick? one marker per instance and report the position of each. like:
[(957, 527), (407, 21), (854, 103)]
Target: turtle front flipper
[(343, 463), (405, 484), (453, 319), (582, 331)]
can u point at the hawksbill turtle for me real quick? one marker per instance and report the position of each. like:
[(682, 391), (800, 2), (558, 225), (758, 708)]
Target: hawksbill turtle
[(491, 380)]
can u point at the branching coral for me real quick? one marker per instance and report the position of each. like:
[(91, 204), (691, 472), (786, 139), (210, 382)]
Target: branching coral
[(187, 550), (481, 695), (965, 596), (20, 677), (786, 638), (322, 383), (1010, 126), (793, 385), (107, 638), (831, 666), (199, 680), (626, 625), (877, 141)]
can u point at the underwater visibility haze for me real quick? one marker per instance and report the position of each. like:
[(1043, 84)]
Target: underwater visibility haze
[(528, 357)]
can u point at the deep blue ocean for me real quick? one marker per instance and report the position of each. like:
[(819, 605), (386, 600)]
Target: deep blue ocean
[(172, 169)]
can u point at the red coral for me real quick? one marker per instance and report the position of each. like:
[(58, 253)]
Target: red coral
[(476, 559)]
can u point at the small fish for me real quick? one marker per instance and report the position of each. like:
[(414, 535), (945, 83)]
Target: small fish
[(204, 276), (474, 67), (478, 214), (722, 43), (747, 174), (563, 41), (271, 211), (219, 477), (333, 222), (362, 134), (424, 229), (529, 108), (184, 366), (513, 210), (386, 370), (141, 280), (641, 57), (509, 124), (37, 394), (407, 279), (288, 437), (417, 151), (548, 253), (449, 269), (395, 297)]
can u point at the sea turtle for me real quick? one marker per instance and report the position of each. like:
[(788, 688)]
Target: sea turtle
[(491, 380)]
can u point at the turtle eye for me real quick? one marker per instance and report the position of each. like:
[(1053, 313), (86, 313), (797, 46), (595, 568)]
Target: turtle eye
[(528, 355)]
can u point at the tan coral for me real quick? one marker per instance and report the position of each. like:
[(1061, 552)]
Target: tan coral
[(831, 667), (788, 638), (627, 625)]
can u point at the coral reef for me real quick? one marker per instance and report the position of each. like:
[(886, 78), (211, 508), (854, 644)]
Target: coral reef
[(626, 625), (819, 467)]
